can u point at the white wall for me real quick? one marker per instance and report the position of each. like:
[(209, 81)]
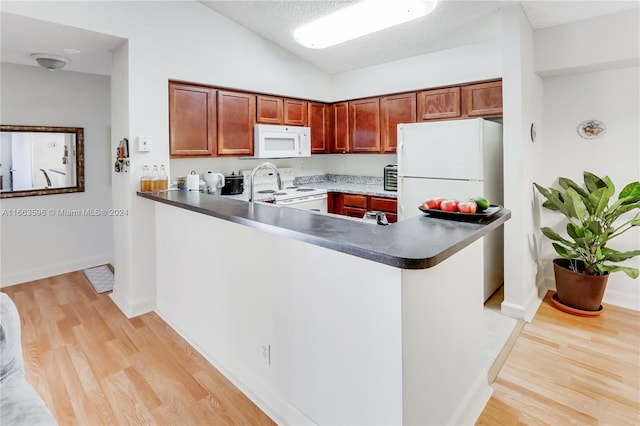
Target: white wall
[(38, 247), (475, 62), (569, 100), (611, 41), (522, 102)]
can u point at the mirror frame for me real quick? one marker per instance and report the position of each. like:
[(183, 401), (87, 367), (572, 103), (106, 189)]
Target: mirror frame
[(79, 187)]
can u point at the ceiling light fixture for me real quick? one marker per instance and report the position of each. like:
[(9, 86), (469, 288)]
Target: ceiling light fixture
[(365, 17), (50, 62)]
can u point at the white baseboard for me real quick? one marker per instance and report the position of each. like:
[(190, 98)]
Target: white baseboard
[(473, 402), (525, 311), (130, 309), (47, 271)]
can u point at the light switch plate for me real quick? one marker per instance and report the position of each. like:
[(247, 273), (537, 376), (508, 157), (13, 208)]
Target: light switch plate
[(144, 144)]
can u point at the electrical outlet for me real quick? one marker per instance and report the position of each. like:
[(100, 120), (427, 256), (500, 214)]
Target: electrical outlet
[(266, 352)]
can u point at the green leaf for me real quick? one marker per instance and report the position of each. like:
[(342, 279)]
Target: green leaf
[(576, 205), (599, 199), (563, 251), (631, 190), (618, 256), (619, 208), (554, 198), (554, 236), (593, 182), (568, 183), (631, 272)]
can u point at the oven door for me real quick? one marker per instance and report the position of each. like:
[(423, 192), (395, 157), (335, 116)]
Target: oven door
[(316, 203)]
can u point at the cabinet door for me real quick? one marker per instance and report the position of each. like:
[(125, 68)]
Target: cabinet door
[(295, 112), (482, 100), (364, 123), (439, 103), (269, 109), (318, 115), (340, 127), (192, 120), (393, 111), (335, 202), (236, 118)]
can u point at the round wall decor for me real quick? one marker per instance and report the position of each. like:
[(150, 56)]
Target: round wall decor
[(591, 129)]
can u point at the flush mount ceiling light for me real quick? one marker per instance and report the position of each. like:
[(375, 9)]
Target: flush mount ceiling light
[(365, 17), (50, 62)]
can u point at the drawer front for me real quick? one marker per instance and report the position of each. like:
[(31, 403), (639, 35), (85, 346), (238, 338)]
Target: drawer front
[(354, 212), (353, 200), (383, 204)]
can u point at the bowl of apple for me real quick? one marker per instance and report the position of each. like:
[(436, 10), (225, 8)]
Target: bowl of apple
[(451, 208)]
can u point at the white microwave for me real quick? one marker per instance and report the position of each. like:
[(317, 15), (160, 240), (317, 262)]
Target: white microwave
[(281, 141)]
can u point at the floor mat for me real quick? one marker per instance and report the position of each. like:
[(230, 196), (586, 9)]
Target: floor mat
[(100, 277)]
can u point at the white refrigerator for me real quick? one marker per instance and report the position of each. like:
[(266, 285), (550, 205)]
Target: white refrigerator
[(454, 159)]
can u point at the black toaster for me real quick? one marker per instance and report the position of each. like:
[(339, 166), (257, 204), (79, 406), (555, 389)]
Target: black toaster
[(391, 177)]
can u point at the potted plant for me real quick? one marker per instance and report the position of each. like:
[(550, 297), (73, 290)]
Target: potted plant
[(594, 217)]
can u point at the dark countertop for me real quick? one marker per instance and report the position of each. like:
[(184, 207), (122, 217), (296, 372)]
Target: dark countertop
[(416, 243)]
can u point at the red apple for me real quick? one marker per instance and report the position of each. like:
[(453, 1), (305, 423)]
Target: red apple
[(449, 206), (430, 204), (468, 207), (439, 201)]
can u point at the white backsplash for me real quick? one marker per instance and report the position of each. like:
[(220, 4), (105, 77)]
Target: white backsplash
[(340, 164)]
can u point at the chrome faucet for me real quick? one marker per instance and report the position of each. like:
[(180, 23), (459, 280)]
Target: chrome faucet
[(253, 175)]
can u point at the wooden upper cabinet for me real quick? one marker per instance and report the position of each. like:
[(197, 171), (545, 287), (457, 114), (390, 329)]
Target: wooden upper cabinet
[(364, 125), (394, 110), (340, 127), (192, 120), (269, 110), (236, 118), (483, 99), (295, 112), (318, 121), (439, 103)]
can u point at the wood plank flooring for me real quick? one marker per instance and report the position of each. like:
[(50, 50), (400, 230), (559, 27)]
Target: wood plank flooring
[(93, 366), (567, 370)]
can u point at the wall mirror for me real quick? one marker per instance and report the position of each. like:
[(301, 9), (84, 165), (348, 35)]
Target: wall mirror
[(39, 160)]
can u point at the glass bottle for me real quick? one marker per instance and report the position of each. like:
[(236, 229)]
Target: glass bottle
[(145, 180), (164, 179), (155, 179)]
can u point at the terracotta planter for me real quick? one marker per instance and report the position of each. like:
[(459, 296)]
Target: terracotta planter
[(578, 290)]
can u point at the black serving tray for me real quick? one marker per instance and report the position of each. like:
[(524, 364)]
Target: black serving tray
[(490, 211)]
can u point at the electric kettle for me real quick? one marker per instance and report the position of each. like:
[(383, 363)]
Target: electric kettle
[(215, 182)]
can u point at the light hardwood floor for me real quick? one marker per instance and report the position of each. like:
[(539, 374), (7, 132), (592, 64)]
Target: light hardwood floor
[(93, 366), (567, 370)]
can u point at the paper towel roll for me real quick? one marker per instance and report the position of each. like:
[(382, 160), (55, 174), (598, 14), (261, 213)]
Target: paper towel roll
[(193, 182)]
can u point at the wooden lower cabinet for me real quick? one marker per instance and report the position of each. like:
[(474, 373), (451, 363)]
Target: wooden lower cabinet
[(356, 205), (236, 118)]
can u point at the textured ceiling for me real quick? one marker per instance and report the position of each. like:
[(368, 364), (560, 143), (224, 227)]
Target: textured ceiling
[(453, 23)]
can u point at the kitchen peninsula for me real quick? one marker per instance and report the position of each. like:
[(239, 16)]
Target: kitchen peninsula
[(328, 320)]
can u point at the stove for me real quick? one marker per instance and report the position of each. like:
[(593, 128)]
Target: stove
[(266, 190)]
